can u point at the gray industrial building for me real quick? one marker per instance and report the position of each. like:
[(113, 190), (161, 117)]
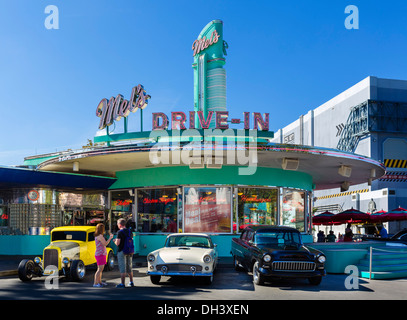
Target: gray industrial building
[(369, 119)]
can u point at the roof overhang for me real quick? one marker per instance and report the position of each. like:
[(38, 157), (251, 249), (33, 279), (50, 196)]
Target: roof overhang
[(321, 163), (11, 177)]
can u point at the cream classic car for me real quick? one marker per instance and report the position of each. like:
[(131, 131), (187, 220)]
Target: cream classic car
[(184, 254)]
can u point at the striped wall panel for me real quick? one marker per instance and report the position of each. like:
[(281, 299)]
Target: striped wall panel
[(395, 163), (342, 194)]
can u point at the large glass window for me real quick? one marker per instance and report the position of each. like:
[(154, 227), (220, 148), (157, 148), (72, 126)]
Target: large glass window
[(122, 207), (292, 213), (207, 209), (257, 206), (157, 210)]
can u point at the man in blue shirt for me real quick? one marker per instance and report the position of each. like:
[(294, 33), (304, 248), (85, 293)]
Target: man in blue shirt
[(383, 232)]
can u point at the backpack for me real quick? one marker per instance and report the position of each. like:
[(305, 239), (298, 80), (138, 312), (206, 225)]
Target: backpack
[(128, 247)]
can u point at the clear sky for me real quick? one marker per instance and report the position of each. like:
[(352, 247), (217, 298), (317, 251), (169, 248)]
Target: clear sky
[(284, 57)]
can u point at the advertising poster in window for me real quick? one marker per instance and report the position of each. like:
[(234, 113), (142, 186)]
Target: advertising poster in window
[(293, 209), (207, 210)]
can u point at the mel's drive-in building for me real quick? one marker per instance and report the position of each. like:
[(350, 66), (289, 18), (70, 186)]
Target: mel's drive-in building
[(201, 170)]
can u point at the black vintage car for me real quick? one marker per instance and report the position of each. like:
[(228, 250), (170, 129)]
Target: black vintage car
[(276, 252)]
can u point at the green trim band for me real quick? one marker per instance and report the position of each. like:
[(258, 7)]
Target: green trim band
[(229, 175)]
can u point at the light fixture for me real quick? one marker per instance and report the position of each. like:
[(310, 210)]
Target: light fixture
[(345, 186), (345, 171), (290, 164)]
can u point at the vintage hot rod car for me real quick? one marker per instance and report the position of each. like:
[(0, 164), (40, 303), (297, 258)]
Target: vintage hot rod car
[(71, 250), (276, 252), (184, 254)]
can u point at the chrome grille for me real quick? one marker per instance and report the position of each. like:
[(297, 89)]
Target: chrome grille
[(293, 266), (179, 267), (51, 258)]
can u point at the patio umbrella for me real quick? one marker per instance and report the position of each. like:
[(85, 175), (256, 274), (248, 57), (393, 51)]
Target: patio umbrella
[(351, 216), (378, 216), (397, 214), (324, 218)]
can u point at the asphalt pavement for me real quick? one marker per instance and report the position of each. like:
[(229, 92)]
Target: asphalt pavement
[(228, 285)]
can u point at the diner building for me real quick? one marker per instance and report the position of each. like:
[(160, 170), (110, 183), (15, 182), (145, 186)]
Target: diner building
[(194, 171)]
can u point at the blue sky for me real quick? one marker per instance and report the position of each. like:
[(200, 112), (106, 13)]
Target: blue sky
[(284, 57)]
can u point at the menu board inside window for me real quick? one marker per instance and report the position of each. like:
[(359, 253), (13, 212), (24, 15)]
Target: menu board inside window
[(207, 209)]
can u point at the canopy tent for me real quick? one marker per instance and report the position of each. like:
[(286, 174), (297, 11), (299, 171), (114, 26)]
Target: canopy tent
[(397, 214), (324, 218), (351, 216)]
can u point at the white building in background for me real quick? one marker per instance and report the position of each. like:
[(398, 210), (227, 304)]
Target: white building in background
[(369, 119)]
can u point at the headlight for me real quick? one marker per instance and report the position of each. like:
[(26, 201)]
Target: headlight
[(151, 258), (321, 259), (65, 260), (207, 258), (267, 258), (37, 260)]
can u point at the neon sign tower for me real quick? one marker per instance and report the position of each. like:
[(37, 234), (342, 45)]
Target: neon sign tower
[(209, 76)]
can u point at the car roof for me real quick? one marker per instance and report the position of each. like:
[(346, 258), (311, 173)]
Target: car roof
[(260, 228), (75, 228)]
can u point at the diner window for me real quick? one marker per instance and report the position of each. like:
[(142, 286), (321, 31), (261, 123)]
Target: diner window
[(122, 207), (157, 210), (207, 209), (4, 217), (293, 213), (257, 206)]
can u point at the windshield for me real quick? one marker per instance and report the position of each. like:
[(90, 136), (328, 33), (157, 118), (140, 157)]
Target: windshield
[(188, 241), (279, 238), (69, 235)]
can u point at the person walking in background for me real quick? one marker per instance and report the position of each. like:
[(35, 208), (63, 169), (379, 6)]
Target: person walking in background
[(331, 237), (124, 256), (348, 234), (100, 253), (383, 232), (321, 236)]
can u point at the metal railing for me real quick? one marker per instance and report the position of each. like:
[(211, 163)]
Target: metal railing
[(371, 257)]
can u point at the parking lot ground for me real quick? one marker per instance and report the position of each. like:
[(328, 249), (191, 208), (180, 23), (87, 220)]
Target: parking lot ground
[(228, 284)]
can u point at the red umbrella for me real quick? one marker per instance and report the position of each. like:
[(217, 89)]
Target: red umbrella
[(324, 218), (378, 216), (397, 214), (351, 216)]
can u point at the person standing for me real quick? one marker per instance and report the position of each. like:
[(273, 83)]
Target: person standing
[(331, 237), (100, 253), (125, 260)]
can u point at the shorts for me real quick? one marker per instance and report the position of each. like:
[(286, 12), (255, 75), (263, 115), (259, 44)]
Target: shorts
[(125, 262), (100, 260)]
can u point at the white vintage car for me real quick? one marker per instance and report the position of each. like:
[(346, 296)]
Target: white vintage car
[(184, 254)]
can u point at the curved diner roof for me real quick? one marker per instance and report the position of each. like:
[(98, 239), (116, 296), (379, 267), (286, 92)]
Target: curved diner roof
[(321, 164)]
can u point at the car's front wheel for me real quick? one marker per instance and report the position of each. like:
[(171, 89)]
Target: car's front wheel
[(315, 280), (155, 279), (209, 279), (78, 270), (109, 262), (26, 270), (258, 278)]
